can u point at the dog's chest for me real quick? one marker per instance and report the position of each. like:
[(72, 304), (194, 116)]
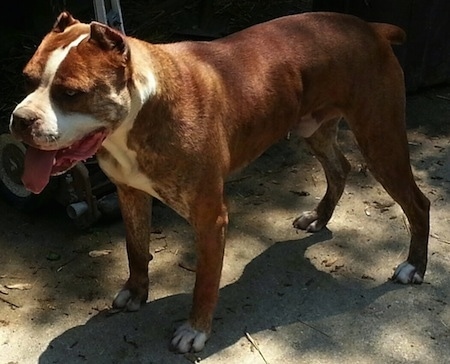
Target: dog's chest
[(121, 165)]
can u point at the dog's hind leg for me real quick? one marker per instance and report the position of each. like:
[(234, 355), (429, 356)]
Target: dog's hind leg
[(381, 135), (336, 167)]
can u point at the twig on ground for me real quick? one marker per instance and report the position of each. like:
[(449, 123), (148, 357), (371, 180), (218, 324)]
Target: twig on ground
[(434, 236), (314, 328), (443, 97), (3, 290), (406, 224), (239, 179), (13, 305), (184, 266), (66, 263), (256, 346)]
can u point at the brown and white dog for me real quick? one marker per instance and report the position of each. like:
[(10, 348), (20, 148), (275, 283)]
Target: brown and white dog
[(173, 121)]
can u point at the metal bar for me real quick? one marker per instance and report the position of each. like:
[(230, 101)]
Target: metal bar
[(110, 13), (115, 7), (100, 11)]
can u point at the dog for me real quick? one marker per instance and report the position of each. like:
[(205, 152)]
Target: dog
[(172, 121)]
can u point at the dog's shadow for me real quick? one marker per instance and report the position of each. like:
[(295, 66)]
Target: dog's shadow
[(267, 296)]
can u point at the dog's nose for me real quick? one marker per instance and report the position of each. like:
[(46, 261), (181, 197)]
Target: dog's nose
[(22, 119)]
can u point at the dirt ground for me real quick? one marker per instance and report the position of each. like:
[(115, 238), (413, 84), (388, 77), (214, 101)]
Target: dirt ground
[(286, 296)]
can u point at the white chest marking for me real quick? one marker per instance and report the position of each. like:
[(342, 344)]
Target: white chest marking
[(124, 168)]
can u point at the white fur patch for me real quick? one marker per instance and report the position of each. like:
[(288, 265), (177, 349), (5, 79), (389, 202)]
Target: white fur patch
[(55, 60), (146, 87), (407, 273), (124, 300), (66, 128), (125, 168), (187, 338)]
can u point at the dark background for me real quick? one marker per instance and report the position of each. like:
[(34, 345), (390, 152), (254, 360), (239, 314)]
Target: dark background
[(425, 57)]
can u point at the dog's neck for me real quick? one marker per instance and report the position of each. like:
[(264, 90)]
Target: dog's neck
[(159, 83), (143, 70), (150, 93)]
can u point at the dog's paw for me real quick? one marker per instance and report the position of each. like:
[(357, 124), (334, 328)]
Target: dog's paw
[(407, 273), (126, 300), (308, 221), (186, 339)]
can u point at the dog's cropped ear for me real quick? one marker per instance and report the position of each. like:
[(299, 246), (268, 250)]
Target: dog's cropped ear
[(64, 20), (108, 39)]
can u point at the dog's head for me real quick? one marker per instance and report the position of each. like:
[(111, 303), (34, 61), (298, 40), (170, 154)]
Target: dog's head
[(78, 92)]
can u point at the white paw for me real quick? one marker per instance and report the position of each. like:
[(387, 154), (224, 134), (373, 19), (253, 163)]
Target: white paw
[(314, 227), (125, 300), (407, 273), (186, 339), (308, 221)]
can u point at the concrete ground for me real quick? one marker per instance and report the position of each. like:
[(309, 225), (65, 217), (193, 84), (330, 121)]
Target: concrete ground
[(286, 296)]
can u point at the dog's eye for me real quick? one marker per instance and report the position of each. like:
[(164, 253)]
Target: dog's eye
[(71, 92), (65, 93)]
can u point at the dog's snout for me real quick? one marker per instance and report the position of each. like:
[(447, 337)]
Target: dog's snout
[(22, 119)]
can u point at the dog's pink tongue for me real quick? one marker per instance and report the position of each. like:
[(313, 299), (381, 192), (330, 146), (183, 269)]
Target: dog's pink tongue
[(38, 166)]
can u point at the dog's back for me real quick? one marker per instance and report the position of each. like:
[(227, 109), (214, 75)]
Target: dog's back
[(314, 65)]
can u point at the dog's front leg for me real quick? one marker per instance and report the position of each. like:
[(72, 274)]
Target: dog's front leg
[(210, 226), (135, 206)]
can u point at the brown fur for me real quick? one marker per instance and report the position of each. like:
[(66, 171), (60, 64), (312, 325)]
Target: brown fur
[(219, 105), (242, 96)]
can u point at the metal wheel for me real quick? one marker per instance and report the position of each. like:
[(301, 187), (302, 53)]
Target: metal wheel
[(12, 154)]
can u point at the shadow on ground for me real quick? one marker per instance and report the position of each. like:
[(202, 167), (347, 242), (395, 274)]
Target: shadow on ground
[(265, 298)]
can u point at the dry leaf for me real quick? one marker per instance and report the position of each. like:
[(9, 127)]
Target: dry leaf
[(99, 253), (19, 286), (3, 290)]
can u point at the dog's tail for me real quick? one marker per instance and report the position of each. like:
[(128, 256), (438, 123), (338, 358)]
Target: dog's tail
[(392, 33)]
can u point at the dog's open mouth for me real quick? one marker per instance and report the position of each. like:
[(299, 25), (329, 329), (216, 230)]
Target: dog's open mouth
[(41, 164)]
